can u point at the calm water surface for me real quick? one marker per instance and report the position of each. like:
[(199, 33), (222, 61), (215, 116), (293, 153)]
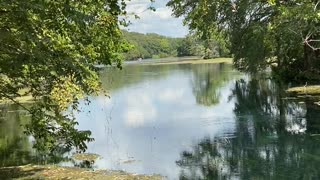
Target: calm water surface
[(204, 121)]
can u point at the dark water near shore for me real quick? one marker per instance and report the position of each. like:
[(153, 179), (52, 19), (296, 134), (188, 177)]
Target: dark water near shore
[(202, 121)]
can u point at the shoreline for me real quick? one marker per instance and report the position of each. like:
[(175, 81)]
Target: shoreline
[(173, 61), (196, 61), (73, 173)]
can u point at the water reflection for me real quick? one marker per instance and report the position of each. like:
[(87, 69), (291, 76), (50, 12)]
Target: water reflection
[(201, 121), (274, 139), (15, 146), (145, 124), (207, 81)]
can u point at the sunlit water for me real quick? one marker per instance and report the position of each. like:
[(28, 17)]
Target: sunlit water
[(204, 121)]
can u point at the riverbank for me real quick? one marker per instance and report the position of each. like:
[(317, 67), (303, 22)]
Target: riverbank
[(193, 61), (305, 90), (181, 60), (309, 93), (33, 172), (23, 99)]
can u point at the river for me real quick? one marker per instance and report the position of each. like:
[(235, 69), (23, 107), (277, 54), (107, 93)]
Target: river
[(189, 121)]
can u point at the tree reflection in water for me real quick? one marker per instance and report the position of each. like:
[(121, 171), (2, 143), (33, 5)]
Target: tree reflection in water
[(206, 81), (275, 138), (15, 146)]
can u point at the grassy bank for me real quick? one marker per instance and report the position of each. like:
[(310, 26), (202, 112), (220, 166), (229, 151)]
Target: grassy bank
[(305, 90), (22, 99), (55, 172), (196, 61)]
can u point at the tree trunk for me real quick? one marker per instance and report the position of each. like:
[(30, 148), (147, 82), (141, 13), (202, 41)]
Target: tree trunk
[(309, 55)]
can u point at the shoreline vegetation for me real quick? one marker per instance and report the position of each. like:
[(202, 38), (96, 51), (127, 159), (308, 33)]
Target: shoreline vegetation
[(312, 93), (304, 90), (23, 99), (58, 172), (33, 172), (179, 60), (196, 61)]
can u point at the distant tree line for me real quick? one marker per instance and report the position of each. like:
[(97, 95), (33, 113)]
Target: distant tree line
[(156, 46), (193, 45)]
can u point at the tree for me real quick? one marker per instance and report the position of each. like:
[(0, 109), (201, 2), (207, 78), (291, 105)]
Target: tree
[(259, 32), (193, 45), (149, 45), (50, 49)]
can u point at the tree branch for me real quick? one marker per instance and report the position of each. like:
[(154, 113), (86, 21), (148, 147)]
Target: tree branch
[(15, 102)]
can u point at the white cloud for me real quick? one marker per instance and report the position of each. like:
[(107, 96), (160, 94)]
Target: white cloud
[(140, 110), (137, 6), (160, 21), (171, 95), (163, 13)]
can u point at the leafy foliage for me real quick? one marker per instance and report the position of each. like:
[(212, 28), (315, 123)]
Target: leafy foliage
[(150, 45), (191, 45), (157, 46), (51, 48), (259, 32)]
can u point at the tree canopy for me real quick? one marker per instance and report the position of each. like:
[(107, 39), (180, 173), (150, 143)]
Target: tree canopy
[(151, 45), (50, 49), (258, 32), (155, 46)]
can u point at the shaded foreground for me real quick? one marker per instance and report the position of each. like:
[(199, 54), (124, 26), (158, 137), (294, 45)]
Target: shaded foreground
[(56, 172)]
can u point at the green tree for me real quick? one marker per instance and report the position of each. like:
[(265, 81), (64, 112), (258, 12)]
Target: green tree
[(185, 48), (150, 45), (193, 45), (50, 49), (259, 32)]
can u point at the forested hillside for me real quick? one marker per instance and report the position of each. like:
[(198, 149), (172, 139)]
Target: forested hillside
[(155, 46), (150, 45)]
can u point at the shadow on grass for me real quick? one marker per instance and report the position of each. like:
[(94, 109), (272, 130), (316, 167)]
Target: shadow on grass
[(19, 172)]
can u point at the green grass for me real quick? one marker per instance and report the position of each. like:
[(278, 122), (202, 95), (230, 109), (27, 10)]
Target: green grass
[(22, 99), (196, 61), (302, 90), (33, 172)]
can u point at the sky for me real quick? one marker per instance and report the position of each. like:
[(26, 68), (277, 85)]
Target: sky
[(160, 21)]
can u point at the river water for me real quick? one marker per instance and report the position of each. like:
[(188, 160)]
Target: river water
[(189, 121)]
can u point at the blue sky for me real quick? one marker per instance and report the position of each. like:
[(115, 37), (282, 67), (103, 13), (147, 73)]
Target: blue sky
[(160, 21)]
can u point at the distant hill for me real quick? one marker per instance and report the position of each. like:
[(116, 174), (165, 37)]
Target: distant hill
[(154, 46), (151, 46)]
